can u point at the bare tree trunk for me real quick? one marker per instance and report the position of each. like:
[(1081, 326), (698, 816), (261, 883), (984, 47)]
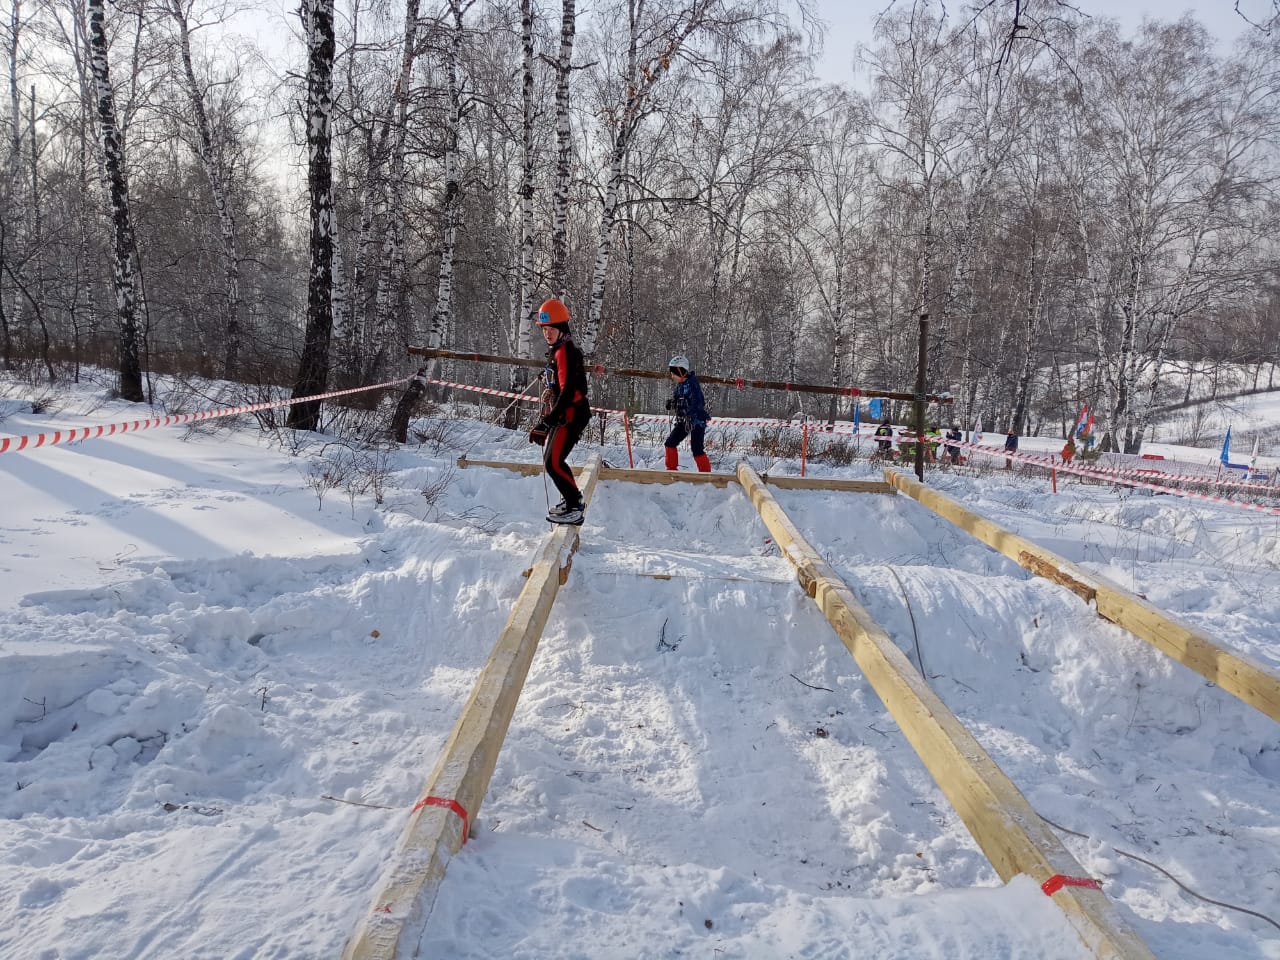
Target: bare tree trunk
[(523, 313), (313, 369), (125, 265), (391, 278), (216, 174), (451, 212), (560, 192)]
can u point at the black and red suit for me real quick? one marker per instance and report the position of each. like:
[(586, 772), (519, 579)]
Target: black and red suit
[(567, 415)]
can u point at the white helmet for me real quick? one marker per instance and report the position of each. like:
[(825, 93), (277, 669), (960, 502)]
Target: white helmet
[(679, 362)]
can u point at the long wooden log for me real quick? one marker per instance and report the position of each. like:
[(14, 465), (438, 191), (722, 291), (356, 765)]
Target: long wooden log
[(705, 378), (1003, 823), (689, 476), (1244, 678), (436, 827)]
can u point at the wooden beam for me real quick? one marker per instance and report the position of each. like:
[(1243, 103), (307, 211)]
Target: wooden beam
[(667, 476), (434, 831), (515, 466), (829, 483), (704, 378), (1243, 678), (690, 476), (1003, 823)]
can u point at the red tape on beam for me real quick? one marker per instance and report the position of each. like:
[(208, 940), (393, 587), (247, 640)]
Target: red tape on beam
[(1058, 881), (449, 804)]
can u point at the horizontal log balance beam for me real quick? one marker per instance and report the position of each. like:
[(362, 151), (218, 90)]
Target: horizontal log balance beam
[(868, 392), (1006, 827), (689, 476), (1243, 678), (437, 826)]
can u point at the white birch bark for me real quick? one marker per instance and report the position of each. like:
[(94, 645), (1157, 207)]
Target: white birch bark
[(390, 294), (564, 146), (523, 332), (125, 262), (451, 211), (313, 369)]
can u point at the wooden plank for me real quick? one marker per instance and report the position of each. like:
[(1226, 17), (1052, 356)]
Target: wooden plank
[(527, 469), (690, 476), (667, 476), (829, 483), (1003, 823), (434, 833), (1244, 678)]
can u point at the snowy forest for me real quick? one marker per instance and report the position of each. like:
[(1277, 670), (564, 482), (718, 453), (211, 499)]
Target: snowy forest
[(1085, 214)]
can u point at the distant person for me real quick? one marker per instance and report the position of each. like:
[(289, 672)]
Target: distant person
[(691, 418), (932, 437), (1010, 446), (907, 445), (566, 411), (952, 450), (886, 445), (1069, 449)]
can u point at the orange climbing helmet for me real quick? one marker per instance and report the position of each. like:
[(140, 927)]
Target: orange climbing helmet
[(552, 313)]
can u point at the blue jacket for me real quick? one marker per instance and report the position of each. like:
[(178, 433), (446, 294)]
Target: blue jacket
[(688, 402)]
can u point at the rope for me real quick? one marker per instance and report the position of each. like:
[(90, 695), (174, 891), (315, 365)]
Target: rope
[(56, 437), (915, 633), (1160, 869), (517, 397)]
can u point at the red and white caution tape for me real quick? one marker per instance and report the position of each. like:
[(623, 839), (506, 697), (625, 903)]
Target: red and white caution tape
[(53, 438), (499, 393), (1202, 478), (1048, 463)]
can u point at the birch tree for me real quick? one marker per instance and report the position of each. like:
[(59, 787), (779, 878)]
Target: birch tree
[(215, 170), (125, 263), (1148, 113), (451, 205), (313, 368), (657, 38), (523, 331), (564, 149)]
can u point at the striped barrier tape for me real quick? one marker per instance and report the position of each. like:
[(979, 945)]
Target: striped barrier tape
[(844, 428), (32, 441), (489, 391), (1189, 478), (1048, 463)]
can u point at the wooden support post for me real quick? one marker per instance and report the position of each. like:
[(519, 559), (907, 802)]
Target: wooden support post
[(1243, 678), (922, 370), (452, 796), (1006, 827), (626, 426), (804, 443)]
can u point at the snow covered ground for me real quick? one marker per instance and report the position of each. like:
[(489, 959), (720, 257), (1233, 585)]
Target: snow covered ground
[(221, 693)]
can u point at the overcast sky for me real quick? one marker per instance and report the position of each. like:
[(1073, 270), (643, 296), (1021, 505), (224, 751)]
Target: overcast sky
[(850, 21)]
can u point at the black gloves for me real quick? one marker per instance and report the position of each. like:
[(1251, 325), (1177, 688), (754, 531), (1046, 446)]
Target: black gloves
[(539, 433), (670, 403)]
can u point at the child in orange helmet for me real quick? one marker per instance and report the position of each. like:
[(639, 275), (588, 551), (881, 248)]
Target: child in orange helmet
[(566, 413)]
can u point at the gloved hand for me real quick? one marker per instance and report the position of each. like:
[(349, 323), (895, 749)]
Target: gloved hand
[(539, 433), (670, 403)]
